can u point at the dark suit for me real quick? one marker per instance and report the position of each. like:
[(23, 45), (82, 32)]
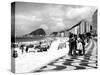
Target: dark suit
[(71, 46)]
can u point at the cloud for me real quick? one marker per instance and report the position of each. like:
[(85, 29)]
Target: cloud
[(44, 27), (54, 11), (81, 12), (25, 23), (50, 17)]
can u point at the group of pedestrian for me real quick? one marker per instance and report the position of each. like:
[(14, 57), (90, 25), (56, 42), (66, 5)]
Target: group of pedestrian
[(77, 44)]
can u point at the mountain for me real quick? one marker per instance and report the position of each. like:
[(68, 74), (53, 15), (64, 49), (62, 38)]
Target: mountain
[(39, 31)]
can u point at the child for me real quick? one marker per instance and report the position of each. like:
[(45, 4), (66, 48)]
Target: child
[(79, 47)]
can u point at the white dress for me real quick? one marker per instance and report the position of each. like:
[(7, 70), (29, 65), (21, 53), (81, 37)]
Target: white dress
[(79, 46)]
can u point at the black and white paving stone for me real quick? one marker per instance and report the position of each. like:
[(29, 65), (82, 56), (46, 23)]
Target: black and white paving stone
[(88, 61)]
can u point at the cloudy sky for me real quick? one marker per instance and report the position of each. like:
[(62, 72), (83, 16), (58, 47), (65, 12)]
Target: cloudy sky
[(50, 17)]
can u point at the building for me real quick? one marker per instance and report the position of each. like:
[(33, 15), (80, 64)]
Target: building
[(82, 27), (94, 21)]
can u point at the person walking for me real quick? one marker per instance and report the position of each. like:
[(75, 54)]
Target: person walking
[(22, 48), (83, 45), (26, 49), (70, 44), (74, 44), (79, 46)]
